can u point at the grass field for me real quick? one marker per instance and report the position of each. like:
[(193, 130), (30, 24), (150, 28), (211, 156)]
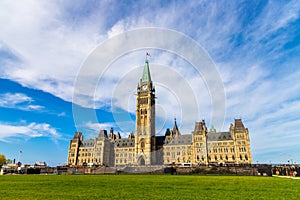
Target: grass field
[(146, 187)]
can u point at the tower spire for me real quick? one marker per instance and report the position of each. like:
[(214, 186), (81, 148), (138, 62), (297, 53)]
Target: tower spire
[(175, 128), (146, 73)]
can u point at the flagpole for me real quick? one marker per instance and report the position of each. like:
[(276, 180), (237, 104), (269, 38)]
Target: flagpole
[(147, 54), (20, 152)]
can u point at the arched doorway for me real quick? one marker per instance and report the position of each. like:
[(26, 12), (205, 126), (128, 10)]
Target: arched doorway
[(141, 161)]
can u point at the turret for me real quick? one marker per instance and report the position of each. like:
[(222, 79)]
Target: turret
[(112, 136), (118, 136), (175, 131)]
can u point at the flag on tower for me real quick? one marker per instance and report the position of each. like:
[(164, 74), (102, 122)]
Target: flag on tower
[(148, 54)]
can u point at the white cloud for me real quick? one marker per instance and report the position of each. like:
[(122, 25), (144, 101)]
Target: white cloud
[(19, 101), (50, 50), (31, 130), (98, 126)]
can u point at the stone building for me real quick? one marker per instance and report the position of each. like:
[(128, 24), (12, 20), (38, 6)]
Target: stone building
[(97, 150), (143, 147), (208, 147)]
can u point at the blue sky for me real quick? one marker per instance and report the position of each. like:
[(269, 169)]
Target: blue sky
[(44, 45)]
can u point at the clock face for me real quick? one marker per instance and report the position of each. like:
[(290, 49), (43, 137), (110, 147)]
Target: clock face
[(144, 87)]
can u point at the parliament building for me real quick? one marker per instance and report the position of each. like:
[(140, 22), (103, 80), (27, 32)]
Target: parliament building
[(201, 147)]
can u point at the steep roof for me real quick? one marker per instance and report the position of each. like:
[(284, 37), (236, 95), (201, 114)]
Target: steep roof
[(146, 73), (175, 128), (168, 133), (88, 143), (124, 142), (217, 136), (199, 126), (77, 136), (179, 140), (102, 134), (238, 124)]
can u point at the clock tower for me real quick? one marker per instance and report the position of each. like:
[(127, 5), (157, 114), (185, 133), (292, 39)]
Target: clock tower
[(145, 120)]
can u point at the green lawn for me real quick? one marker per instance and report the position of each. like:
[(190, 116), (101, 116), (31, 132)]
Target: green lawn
[(146, 187)]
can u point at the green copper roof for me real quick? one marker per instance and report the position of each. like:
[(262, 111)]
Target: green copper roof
[(146, 73)]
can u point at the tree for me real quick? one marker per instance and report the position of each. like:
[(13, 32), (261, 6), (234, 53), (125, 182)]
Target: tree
[(9, 161), (2, 159)]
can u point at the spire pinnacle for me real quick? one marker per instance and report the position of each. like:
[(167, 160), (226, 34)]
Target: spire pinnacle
[(146, 73), (175, 128)]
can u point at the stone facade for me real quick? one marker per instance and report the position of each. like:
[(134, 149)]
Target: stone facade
[(97, 150), (201, 147), (208, 147)]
